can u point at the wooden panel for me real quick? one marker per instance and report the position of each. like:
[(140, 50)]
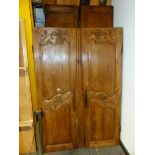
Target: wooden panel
[(61, 16), (62, 2), (23, 62), (26, 124), (96, 16), (55, 65), (25, 106), (73, 2), (101, 56), (25, 103), (27, 141)]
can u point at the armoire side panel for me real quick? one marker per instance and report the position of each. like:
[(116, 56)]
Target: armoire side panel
[(101, 57), (55, 65)]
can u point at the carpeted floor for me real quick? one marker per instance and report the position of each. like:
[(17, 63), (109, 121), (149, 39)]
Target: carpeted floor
[(116, 150)]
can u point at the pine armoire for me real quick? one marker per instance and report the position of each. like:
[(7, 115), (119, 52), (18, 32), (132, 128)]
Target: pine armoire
[(78, 78)]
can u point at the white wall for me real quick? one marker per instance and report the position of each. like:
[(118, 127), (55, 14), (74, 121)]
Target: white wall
[(124, 16)]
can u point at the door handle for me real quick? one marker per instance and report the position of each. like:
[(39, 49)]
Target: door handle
[(86, 98), (73, 100)]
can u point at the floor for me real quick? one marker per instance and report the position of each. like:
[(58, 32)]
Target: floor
[(116, 150)]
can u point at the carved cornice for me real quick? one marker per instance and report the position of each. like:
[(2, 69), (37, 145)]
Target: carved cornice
[(57, 101), (101, 36), (57, 37)]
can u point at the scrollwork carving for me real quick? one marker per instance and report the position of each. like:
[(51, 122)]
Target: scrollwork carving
[(57, 101), (100, 36), (57, 37)]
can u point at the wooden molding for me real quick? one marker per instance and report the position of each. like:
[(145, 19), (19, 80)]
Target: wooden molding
[(22, 44), (23, 124)]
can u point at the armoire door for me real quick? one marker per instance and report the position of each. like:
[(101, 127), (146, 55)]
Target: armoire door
[(101, 57), (55, 67)]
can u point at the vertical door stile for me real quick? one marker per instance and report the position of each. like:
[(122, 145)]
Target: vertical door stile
[(79, 92), (76, 88), (118, 83)]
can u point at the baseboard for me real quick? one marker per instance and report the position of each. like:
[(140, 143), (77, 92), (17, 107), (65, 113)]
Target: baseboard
[(124, 148)]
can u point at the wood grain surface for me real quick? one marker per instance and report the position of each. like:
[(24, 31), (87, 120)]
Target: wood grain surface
[(55, 65), (96, 16), (101, 57), (78, 86), (61, 16)]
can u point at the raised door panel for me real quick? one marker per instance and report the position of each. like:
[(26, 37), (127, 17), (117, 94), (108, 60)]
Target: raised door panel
[(101, 56), (91, 16), (61, 16), (55, 65)]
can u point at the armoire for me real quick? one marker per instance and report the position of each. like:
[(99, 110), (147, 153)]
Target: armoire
[(78, 71)]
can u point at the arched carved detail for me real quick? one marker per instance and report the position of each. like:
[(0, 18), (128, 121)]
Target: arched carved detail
[(57, 37), (57, 101), (100, 36), (102, 98)]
